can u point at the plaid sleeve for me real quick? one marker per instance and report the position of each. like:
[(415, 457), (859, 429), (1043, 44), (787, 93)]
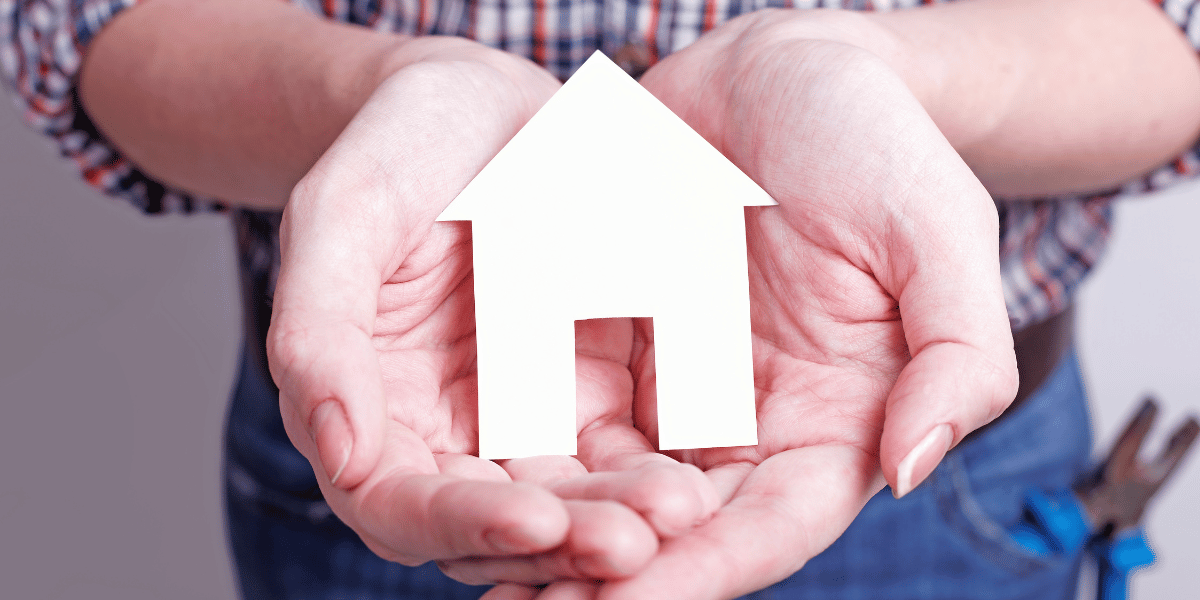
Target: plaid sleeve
[(1185, 14), (1048, 246), (41, 48)]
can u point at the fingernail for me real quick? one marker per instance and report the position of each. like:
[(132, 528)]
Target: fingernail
[(334, 440), (923, 459)]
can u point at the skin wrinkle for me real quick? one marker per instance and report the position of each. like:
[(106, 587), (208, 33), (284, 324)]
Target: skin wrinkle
[(807, 405), (463, 431), (772, 501), (798, 321), (801, 347), (828, 240), (876, 251), (447, 396), (360, 182), (795, 403), (1000, 397), (300, 355), (403, 339), (459, 236), (610, 416), (399, 302), (722, 557), (428, 418)]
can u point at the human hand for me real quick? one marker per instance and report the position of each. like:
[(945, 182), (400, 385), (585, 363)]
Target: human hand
[(372, 342), (880, 333)]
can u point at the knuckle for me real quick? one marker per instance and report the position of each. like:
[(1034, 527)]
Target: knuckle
[(1001, 381), (667, 497), (288, 347), (388, 553)]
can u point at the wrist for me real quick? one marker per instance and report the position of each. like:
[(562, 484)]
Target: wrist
[(906, 50)]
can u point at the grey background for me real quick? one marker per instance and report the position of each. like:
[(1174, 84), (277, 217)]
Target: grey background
[(118, 341)]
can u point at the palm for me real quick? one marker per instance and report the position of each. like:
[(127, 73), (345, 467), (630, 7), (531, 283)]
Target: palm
[(824, 362), (828, 347), (425, 338), (424, 342)]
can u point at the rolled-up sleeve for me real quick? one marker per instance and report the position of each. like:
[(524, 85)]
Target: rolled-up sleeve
[(42, 43), (1186, 15)]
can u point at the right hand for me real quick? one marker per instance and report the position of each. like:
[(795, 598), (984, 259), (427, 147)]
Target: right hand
[(372, 345), (878, 323)]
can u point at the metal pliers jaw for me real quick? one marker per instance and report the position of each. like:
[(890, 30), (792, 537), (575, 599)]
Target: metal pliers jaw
[(1104, 509), (1116, 492)]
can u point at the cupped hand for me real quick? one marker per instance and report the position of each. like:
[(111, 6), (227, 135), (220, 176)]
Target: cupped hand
[(879, 329), (880, 333), (372, 339)]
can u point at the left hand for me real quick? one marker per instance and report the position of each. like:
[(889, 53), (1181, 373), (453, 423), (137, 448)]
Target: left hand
[(372, 345), (880, 332), (368, 341)]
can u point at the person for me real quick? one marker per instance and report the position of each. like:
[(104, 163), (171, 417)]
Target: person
[(900, 145)]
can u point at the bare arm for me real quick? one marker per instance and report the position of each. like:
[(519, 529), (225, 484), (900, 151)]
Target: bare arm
[(1038, 97), (1044, 97), (238, 99)]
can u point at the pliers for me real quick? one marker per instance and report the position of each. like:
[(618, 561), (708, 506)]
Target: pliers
[(1103, 510)]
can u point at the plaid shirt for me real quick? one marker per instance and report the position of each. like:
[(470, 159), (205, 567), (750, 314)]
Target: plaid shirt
[(1046, 246)]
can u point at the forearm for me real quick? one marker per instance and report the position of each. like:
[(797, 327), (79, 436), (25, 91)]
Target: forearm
[(1042, 97), (230, 98)]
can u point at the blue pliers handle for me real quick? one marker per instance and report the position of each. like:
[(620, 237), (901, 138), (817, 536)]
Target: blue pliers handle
[(1116, 558), (1103, 511), (1058, 524)]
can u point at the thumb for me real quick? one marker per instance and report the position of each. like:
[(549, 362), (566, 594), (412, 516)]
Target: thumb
[(331, 397), (319, 344), (963, 370), (947, 391)]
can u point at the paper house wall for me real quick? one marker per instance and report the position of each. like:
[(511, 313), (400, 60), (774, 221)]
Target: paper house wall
[(606, 204)]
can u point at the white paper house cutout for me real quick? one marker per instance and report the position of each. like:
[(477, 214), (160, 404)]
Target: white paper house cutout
[(606, 204)]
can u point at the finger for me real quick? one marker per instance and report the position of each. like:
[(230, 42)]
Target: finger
[(727, 479), (420, 518), (543, 470), (511, 591), (470, 467), (943, 394), (791, 507), (331, 397), (671, 497), (410, 513), (569, 590), (963, 369), (609, 340), (319, 343), (606, 540), (564, 590)]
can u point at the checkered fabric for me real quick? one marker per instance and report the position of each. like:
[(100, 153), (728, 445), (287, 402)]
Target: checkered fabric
[(1046, 246)]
